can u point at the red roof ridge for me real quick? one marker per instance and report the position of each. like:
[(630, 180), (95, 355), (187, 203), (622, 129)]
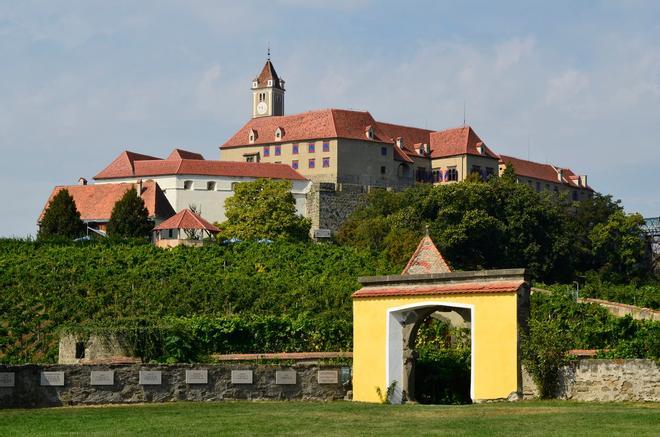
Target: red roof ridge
[(186, 219)]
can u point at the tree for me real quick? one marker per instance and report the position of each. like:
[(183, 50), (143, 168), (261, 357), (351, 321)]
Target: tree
[(130, 218), (264, 209), (61, 218), (620, 248)]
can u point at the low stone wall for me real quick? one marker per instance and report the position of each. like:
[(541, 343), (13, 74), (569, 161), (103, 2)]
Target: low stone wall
[(54, 385), (604, 380)]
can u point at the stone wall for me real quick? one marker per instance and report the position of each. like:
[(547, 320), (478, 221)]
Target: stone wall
[(604, 380), (29, 386), (329, 205)]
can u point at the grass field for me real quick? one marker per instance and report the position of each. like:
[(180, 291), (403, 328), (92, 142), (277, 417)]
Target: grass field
[(337, 419)]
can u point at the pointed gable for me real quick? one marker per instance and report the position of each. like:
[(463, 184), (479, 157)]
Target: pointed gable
[(268, 73), (124, 164), (458, 141), (178, 155), (426, 259), (186, 219)]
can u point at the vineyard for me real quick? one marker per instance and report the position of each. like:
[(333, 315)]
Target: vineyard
[(186, 303)]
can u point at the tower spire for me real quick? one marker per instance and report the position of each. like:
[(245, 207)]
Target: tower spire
[(269, 50)]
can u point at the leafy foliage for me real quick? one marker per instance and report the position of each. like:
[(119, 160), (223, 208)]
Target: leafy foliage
[(264, 209), (544, 351), (130, 218), (61, 218), (442, 368), (500, 224), (45, 286)]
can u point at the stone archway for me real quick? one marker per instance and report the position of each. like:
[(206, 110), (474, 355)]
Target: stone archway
[(404, 323), (387, 311)]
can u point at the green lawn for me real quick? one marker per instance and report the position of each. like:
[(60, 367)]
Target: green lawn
[(338, 418)]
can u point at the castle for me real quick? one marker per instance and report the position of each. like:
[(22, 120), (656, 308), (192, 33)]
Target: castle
[(344, 153), (331, 156)]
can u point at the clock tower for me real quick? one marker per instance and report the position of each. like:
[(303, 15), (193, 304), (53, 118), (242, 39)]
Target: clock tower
[(267, 92)]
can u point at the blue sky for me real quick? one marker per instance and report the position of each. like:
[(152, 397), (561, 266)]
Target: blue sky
[(575, 83)]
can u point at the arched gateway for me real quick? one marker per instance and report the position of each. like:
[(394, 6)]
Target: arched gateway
[(388, 310)]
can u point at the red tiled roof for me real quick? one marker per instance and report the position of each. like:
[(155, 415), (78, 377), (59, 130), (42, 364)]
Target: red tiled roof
[(95, 202), (545, 172), (426, 259), (458, 141), (178, 164), (442, 289), (178, 154), (186, 219), (268, 73)]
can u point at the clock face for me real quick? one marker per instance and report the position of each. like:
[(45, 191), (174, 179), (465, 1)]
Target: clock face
[(261, 108)]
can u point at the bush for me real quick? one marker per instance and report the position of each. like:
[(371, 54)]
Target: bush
[(544, 351), (44, 286)]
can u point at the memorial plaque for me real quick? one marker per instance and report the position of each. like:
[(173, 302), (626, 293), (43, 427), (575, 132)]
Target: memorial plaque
[(150, 377), (54, 379), (241, 376), (285, 377), (328, 377), (197, 376), (7, 379), (102, 377)]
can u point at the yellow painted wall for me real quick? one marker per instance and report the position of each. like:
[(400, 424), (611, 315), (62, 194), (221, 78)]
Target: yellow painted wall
[(494, 342)]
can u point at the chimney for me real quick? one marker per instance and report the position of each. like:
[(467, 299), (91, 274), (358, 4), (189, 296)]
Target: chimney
[(583, 180), (560, 174), (82, 181), (399, 142), (426, 148)]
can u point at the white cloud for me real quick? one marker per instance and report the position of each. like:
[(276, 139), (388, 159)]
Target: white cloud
[(512, 52)]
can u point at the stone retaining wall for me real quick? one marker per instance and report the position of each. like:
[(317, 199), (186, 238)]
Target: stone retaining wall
[(27, 385), (604, 380)]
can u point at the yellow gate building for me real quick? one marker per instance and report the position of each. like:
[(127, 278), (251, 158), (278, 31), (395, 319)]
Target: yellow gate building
[(388, 311)]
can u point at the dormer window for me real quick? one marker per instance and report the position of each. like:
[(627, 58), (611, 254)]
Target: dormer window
[(281, 84), (369, 132), (480, 148), (252, 136), (399, 142), (279, 133), (270, 82), (254, 84)]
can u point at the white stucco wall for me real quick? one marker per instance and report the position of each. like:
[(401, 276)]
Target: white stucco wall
[(210, 203)]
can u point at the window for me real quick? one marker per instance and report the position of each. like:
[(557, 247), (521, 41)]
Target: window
[(383, 169), (437, 175), (80, 350), (170, 233), (252, 157), (312, 163), (575, 195), (383, 151), (476, 169), (278, 150), (311, 147), (210, 186), (489, 172), (326, 146), (326, 162), (547, 187), (187, 185), (538, 187), (294, 148), (451, 174), (294, 164), (266, 150)]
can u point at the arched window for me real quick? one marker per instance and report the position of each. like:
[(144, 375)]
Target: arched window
[(451, 174)]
